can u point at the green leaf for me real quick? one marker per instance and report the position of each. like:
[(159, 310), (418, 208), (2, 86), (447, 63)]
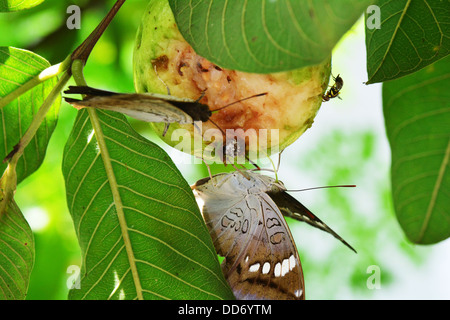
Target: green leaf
[(139, 228), (265, 36), (16, 254), (17, 5), (17, 67), (417, 115), (412, 35)]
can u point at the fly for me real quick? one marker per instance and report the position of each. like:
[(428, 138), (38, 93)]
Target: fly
[(334, 90)]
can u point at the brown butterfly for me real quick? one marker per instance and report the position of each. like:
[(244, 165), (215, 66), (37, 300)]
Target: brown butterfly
[(244, 216), (148, 107)]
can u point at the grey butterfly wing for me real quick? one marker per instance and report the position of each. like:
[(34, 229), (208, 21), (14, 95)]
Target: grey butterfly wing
[(261, 260), (228, 224), (270, 267), (290, 207), (229, 220), (144, 107)]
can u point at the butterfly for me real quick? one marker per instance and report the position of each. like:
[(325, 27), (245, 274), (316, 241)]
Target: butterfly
[(244, 216), (149, 107)]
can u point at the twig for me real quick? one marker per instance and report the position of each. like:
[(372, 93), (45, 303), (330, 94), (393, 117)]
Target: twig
[(84, 50)]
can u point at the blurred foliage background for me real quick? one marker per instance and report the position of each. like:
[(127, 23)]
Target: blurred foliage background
[(346, 145)]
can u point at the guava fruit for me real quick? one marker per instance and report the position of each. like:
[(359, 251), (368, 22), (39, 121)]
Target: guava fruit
[(165, 63)]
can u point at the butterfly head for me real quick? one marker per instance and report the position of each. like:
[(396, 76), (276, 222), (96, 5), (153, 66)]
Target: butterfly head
[(267, 184), (204, 113)]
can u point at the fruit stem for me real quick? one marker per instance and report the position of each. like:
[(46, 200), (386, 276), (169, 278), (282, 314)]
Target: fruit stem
[(84, 50)]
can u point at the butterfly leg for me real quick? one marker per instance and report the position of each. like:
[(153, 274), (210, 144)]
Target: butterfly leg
[(198, 128), (279, 159), (207, 166), (156, 72), (201, 96), (253, 163), (246, 176), (166, 127)]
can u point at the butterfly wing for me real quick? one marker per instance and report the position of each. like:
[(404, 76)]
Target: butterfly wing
[(270, 267), (261, 260), (144, 107), (227, 217), (290, 207)]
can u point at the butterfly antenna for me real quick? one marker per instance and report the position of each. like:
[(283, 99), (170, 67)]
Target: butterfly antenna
[(325, 187), (233, 103)]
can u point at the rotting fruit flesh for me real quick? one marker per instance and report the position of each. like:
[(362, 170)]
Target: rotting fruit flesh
[(164, 61)]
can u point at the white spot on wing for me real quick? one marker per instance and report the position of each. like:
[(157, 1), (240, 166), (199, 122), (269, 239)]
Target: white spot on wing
[(284, 267), (292, 262), (266, 268), (277, 271), (254, 267), (320, 224)]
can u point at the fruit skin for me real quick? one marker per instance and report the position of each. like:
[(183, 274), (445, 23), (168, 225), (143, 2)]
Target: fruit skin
[(164, 61)]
